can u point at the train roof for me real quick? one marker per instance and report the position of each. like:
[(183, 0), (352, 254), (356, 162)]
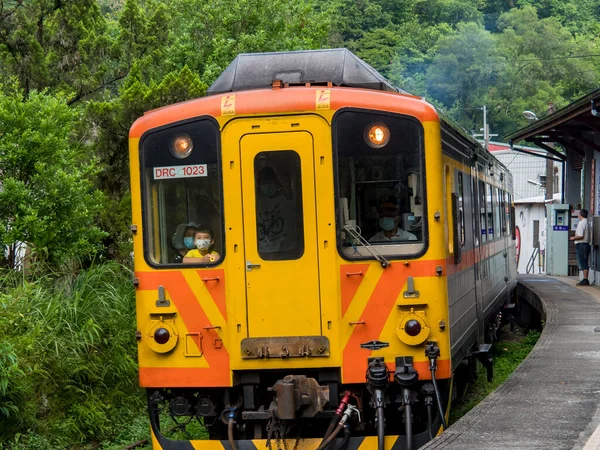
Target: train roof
[(339, 66)]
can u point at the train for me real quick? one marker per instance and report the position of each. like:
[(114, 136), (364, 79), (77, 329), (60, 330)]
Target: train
[(317, 254)]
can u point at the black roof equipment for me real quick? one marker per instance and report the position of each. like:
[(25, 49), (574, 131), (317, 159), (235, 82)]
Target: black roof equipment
[(338, 66)]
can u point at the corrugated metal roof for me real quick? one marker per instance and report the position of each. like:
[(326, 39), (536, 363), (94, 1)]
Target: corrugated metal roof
[(578, 107)]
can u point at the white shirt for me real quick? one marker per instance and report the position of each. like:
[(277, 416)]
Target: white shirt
[(583, 229), (400, 235)]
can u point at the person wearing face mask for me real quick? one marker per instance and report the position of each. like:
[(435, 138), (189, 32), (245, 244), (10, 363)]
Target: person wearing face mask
[(183, 240), (389, 219), (203, 252)]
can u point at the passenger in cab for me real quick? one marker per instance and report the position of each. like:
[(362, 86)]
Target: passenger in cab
[(203, 253), (389, 222), (183, 240)]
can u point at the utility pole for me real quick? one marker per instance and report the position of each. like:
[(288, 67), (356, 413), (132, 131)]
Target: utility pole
[(486, 130)]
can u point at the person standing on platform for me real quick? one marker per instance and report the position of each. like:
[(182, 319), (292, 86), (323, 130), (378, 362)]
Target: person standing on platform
[(583, 239)]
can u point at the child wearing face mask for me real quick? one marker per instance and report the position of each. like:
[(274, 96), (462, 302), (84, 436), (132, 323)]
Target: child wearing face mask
[(183, 240), (203, 252)]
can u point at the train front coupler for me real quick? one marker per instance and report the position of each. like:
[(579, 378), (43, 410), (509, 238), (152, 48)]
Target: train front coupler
[(406, 376), (377, 383)]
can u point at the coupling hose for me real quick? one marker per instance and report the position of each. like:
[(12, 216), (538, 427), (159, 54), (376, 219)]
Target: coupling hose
[(439, 400)]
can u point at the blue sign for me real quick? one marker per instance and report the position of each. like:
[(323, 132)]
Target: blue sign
[(560, 228)]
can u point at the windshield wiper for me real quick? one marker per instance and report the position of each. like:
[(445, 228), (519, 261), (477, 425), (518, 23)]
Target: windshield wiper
[(356, 235)]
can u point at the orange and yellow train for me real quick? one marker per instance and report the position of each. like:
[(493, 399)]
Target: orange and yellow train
[(315, 253)]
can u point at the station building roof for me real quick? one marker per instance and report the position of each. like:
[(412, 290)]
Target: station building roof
[(574, 127)]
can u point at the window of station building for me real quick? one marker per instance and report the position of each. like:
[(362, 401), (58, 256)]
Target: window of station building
[(490, 211), (380, 194), (482, 212), (182, 195), (279, 218)]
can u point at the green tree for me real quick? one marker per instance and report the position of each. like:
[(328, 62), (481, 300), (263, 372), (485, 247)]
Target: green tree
[(467, 68), (47, 198), (47, 44)]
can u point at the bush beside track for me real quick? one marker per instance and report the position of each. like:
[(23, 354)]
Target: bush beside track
[(68, 375)]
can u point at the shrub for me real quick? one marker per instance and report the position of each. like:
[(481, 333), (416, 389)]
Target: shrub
[(67, 361)]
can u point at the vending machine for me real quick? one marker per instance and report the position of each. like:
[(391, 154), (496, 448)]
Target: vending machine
[(557, 246)]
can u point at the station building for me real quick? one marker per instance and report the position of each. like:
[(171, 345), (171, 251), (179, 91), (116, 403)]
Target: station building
[(570, 138)]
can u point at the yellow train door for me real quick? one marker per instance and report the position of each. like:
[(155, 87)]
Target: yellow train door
[(280, 234)]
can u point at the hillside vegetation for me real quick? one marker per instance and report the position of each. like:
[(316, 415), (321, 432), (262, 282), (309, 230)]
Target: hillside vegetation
[(74, 75)]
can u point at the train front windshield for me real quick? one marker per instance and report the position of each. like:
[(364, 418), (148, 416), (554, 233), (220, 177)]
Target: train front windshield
[(380, 184), (182, 188)]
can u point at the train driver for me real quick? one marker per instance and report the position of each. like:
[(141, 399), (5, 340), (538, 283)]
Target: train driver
[(389, 220)]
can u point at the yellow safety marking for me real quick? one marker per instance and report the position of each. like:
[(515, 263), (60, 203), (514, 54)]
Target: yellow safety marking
[(323, 99), (207, 445), (228, 105)]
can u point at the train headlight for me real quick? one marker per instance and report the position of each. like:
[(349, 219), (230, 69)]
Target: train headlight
[(377, 135), (413, 328), (181, 146), (162, 337)]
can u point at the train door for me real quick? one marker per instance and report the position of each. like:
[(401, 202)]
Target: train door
[(280, 234)]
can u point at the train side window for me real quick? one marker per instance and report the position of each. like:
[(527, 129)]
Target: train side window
[(490, 211), (448, 211), (181, 194), (482, 213), (502, 203), (380, 197), (497, 215), (279, 218), (461, 209), (506, 212)]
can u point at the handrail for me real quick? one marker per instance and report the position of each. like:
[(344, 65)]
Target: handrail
[(531, 262)]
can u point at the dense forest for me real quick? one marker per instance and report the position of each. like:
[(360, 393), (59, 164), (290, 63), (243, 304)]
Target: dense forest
[(74, 75)]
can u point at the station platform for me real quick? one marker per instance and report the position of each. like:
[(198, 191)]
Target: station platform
[(552, 400)]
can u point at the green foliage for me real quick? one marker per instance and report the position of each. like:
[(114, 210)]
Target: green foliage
[(47, 198), (67, 360)]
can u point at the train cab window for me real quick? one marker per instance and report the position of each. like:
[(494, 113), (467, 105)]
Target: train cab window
[(380, 185), (278, 192), (181, 191)]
